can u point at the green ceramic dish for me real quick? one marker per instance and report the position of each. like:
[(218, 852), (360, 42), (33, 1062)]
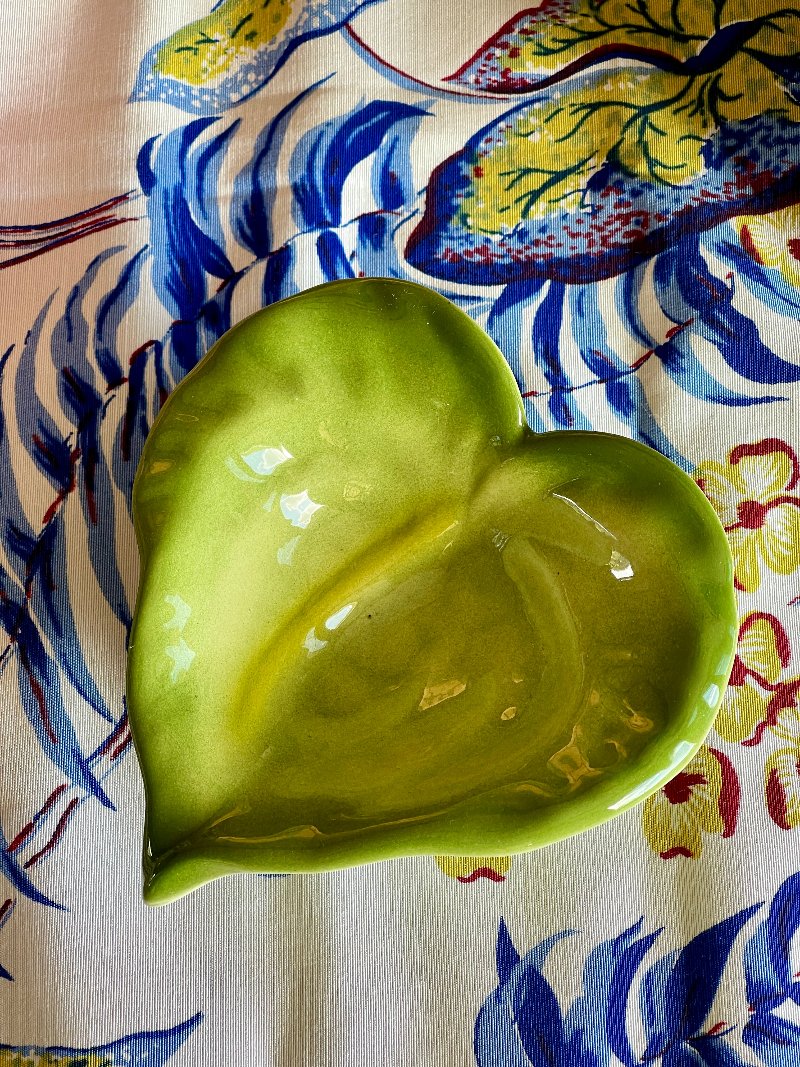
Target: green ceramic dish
[(378, 616)]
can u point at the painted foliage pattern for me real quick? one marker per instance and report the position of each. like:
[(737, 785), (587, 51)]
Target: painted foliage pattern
[(626, 223)]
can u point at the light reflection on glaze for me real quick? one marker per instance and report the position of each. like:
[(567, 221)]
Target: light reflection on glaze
[(299, 508), (266, 461), (285, 552)]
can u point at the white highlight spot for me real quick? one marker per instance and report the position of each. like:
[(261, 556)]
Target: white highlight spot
[(181, 656), (620, 567), (285, 552), (266, 460), (299, 508), (338, 617), (182, 612), (712, 695), (312, 643)]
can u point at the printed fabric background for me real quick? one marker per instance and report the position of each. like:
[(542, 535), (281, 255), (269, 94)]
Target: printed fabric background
[(612, 189)]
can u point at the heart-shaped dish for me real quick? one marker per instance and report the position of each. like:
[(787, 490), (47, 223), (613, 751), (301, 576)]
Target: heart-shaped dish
[(378, 616)]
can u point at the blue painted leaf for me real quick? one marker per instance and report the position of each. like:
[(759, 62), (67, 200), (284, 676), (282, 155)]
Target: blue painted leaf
[(600, 1011), (769, 286), (37, 429), (520, 1023), (685, 285), (496, 1042), (546, 338), (111, 309), (49, 598), (392, 175), (507, 955), (678, 998), (676, 353), (180, 177), (256, 184), (278, 275), (767, 964), (43, 704), (775, 1040), (538, 1020), (543, 191), (150, 1048), (19, 878), (328, 153), (221, 60), (624, 391), (711, 1051), (506, 327), (333, 259)]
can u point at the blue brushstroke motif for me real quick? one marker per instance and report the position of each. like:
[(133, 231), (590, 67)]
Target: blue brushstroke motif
[(327, 155), (256, 66), (83, 401), (684, 283), (624, 391), (149, 1048), (255, 186), (685, 999), (770, 980), (17, 877), (523, 1022), (184, 217)]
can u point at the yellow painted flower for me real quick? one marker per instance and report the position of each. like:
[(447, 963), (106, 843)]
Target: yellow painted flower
[(471, 868), (758, 692), (702, 799), (754, 495), (774, 240)]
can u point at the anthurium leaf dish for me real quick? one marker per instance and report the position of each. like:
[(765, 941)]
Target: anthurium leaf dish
[(378, 616)]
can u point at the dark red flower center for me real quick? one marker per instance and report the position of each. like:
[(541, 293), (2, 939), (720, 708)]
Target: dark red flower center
[(679, 790), (794, 248), (751, 514)]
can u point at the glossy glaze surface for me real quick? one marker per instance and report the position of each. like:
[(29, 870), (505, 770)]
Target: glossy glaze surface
[(378, 616)]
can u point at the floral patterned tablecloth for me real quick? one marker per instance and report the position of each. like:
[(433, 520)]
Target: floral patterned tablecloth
[(612, 189)]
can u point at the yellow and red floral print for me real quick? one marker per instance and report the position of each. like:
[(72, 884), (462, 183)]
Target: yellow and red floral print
[(755, 495), (703, 799), (473, 868), (774, 240), (759, 689)]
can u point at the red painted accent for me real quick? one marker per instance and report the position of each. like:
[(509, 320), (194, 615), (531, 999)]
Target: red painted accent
[(730, 793), (766, 448), (27, 830), (351, 33), (5, 908), (678, 850), (61, 826), (793, 244), (781, 640), (716, 1028), (481, 872), (88, 213), (776, 800), (124, 743), (38, 694), (679, 790), (97, 227), (114, 737), (749, 245)]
